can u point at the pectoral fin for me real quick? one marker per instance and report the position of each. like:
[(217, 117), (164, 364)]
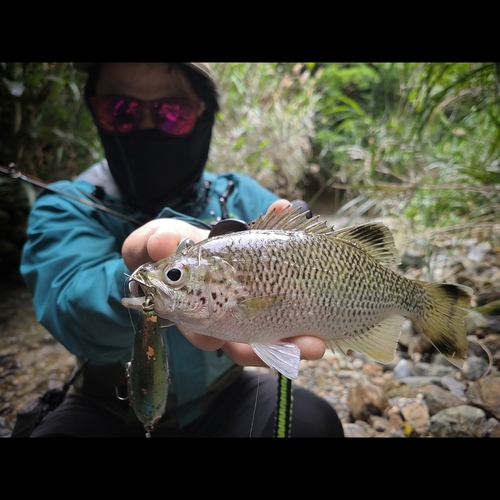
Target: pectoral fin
[(282, 356), (253, 307)]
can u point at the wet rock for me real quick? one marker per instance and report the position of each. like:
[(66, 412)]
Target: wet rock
[(459, 421), (479, 251), (420, 381), (420, 345), (389, 367), (396, 423), (411, 258), (438, 399), (5, 432), (435, 369), (493, 428), (492, 343), (402, 369), (455, 386), (354, 430), (495, 280), (475, 321), (414, 412), (367, 427), (372, 369), (474, 367), (380, 424), (491, 349), (485, 394), (366, 399), (400, 390), (31, 361), (406, 335), (495, 321), (490, 295)]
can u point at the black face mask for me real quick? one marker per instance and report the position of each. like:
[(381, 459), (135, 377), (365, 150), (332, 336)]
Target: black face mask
[(154, 170)]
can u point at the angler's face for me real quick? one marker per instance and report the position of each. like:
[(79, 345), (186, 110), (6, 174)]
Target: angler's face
[(144, 81)]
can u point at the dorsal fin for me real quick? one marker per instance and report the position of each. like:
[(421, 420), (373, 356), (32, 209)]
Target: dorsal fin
[(374, 238), (285, 220)]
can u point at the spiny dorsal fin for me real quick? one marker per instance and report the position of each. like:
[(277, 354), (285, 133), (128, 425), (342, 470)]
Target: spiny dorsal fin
[(374, 238), (285, 220)]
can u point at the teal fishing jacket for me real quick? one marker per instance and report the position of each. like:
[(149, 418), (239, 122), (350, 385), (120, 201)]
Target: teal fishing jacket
[(72, 265)]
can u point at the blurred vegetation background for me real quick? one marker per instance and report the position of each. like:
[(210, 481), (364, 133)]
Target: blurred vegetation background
[(420, 141)]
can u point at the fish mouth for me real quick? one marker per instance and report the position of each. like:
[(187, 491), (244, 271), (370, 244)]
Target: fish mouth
[(142, 295), (139, 289), (136, 303)]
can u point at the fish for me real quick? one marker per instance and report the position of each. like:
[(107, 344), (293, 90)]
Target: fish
[(147, 372), (288, 275)]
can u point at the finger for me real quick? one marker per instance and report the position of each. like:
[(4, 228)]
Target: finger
[(203, 342), (134, 249), (278, 205), (242, 354), (311, 348), (163, 240)]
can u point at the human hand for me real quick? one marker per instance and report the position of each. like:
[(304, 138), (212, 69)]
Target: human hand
[(242, 354), (157, 240)]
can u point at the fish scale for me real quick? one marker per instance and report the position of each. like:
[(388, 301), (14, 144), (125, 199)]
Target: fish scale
[(289, 276)]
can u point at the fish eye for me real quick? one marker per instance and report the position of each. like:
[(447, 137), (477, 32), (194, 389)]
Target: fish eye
[(175, 275)]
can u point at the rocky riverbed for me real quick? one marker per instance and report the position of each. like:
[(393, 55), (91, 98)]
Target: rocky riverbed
[(419, 394)]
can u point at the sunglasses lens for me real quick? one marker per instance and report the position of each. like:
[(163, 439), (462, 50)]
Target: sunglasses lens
[(175, 118), (116, 115), (119, 115)]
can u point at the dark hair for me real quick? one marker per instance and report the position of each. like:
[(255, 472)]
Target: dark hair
[(203, 87)]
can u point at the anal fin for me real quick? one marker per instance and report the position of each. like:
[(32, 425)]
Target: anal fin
[(378, 343)]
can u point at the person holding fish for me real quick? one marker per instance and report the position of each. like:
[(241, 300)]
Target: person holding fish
[(150, 199)]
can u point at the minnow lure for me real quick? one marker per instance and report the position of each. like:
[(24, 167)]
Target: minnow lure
[(147, 372)]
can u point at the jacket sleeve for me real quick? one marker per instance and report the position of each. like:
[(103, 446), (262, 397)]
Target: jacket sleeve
[(72, 265)]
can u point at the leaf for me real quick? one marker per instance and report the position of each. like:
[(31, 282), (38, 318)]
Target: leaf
[(76, 91), (15, 88), (30, 192), (56, 79), (353, 104)]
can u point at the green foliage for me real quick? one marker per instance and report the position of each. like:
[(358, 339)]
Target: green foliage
[(44, 129), (299, 127), (413, 125), (44, 126), (266, 122)]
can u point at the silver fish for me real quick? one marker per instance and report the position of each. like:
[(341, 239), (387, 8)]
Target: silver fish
[(288, 275)]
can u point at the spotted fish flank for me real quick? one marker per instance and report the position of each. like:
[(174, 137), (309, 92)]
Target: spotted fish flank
[(288, 275)]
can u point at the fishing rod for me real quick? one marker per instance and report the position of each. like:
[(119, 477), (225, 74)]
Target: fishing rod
[(15, 173)]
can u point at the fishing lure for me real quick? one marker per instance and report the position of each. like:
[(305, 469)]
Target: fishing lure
[(147, 372)]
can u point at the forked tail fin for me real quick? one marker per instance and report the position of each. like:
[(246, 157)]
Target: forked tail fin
[(442, 321)]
